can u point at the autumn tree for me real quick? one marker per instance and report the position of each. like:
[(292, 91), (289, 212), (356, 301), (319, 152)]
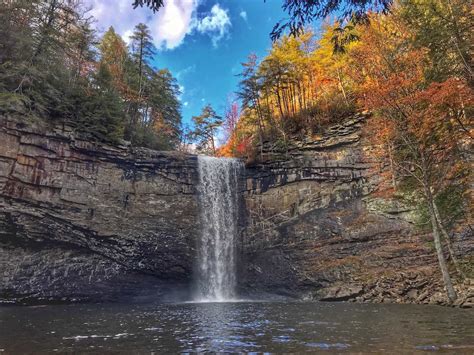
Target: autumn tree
[(231, 118), (114, 54), (333, 85), (444, 28), (421, 116)]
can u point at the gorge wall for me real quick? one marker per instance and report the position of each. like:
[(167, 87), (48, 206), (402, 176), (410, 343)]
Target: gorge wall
[(85, 221), (81, 221), (320, 226)]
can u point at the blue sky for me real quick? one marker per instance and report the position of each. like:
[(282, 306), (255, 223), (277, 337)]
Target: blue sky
[(202, 42)]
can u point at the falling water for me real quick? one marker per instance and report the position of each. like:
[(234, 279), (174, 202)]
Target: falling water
[(218, 200)]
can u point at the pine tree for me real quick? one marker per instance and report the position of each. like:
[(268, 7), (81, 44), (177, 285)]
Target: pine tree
[(142, 51), (99, 111), (164, 109), (205, 127), (249, 93)]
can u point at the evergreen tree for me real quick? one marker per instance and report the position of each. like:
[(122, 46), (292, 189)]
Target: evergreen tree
[(205, 127), (249, 92), (50, 68), (165, 108), (142, 51), (105, 118)]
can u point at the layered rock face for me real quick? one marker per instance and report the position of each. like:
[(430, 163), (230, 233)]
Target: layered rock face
[(87, 221), (83, 221), (318, 226)]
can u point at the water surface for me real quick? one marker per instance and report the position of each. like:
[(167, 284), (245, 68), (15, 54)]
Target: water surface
[(237, 327)]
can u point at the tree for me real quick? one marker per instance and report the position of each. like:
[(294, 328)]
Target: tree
[(164, 109), (99, 110), (48, 50), (15, 48), (40, 29), (249, 92), (142, 48), (286, 75), (422, 117), (155, 5), (303, 13), (113, 54), (150, 95), (205, 127), (231, 117), (445, 29)]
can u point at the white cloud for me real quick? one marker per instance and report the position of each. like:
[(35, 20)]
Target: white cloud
[(173, 22), (117, 13), (243, 14), (169, 26), (216, 24), (186, 104), (126, 36)]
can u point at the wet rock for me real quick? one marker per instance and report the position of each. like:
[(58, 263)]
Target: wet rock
[(340, 293)]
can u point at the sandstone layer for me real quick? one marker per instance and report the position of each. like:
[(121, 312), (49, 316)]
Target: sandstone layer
[(80, 220), (320, 226), (86, 221)]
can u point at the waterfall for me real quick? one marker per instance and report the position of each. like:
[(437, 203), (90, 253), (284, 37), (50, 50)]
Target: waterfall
[(218, 204)]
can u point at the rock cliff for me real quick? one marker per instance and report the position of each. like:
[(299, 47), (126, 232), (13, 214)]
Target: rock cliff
[(318, 225), (85, 221)]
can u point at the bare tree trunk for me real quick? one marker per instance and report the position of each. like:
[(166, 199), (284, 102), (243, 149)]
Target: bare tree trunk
[(261, 127), (280, 106), (439, 249), (392, 165), (446, 237), (260, 138), (213, 146), (341, 86)]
